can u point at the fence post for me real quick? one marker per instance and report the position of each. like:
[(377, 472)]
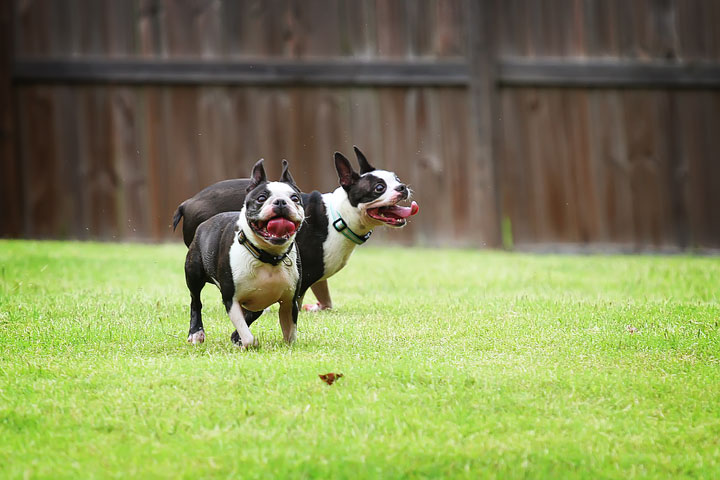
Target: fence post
[(10, 191), (482, 59)]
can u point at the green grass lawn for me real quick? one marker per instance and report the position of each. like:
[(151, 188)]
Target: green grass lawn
[(457, 364)]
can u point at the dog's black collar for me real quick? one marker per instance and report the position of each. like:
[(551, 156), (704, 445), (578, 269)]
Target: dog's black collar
[(262, 255)]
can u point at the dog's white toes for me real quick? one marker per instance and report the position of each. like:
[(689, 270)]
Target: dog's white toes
[(314, 307), (251, 345), (197, 337)]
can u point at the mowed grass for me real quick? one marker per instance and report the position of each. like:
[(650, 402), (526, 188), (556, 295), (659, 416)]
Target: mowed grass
[(457, 364)]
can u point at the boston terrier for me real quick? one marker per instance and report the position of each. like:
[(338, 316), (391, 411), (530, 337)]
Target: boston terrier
[(335, 223), (251, 256)]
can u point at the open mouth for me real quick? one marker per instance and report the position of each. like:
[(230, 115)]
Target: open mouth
[(275, 230), (393, 215)]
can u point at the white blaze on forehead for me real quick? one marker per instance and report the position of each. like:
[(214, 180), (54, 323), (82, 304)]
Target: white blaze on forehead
[(281, 190), (278, 189)]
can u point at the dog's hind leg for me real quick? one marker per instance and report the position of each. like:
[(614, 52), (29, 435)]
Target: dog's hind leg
[(195, 279), (288, 315), (250, 317), (322, 293)]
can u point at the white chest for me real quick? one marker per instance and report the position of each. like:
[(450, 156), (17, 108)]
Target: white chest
[(336, 249), (336, 252), (259, 285)]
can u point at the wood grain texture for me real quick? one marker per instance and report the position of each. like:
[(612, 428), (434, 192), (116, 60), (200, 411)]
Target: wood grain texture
[(576, 122)]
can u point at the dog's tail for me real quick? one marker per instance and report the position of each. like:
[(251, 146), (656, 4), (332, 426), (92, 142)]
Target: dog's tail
[(178, 215)]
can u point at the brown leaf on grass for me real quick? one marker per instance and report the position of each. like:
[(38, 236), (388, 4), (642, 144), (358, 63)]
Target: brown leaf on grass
[(330, 378), (631, 329)]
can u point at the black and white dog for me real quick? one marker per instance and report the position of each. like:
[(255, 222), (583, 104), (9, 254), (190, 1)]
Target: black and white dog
[(251, 256), (335, 223)]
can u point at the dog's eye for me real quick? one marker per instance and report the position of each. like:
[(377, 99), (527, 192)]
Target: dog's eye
[(295, 199), (261, 199), (379, 188)]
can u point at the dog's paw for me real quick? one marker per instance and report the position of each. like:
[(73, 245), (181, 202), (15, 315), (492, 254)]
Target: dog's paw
[(315, 307), (235, 338), (197, 337), (252, 345), (291, 338)]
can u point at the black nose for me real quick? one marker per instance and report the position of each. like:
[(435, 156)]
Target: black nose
[(401, 188), (280, 202)]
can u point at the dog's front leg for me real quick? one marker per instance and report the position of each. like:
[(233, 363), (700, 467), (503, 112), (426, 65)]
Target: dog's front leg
[(238, 319), (322, 293), (288, 318)]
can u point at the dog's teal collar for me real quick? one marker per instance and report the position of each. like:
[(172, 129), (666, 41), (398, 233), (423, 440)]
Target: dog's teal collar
[(262, 255), (341, 227)]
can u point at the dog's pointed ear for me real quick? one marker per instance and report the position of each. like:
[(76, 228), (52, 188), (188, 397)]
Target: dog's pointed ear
[(258, 176), (346, 175), (365, 166), (286, 176)]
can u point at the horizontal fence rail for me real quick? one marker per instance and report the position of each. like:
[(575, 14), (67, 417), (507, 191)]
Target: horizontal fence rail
[(261, 72), (518, 72), (548, 72)]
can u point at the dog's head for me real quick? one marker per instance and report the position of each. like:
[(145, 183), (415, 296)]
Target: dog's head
[(273, 210), (375, 193)]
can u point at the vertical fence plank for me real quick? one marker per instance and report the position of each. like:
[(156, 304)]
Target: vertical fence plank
[(39, 161), (450, 29), (432, 182), (73, 207), (648, 164), (392, 32), (100, 179), (484, 101), (150, 28), (609, 143), (154, 152), (567, 206), (330, 132), (584, 195), (319, 28), (699, 122), (10, 180), (359, 19), (250, 110), (537, 111), (711, 167), (122, 34), (463, 174), (130, 161)]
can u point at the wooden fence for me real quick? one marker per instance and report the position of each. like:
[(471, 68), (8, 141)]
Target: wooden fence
[(563, 122)]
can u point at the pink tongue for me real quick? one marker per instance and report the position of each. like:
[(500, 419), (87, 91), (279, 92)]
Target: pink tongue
[(280, 227), (403, 212)]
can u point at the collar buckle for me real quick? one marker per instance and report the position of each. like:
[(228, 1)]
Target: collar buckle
[(339, 224), (341, 227)]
